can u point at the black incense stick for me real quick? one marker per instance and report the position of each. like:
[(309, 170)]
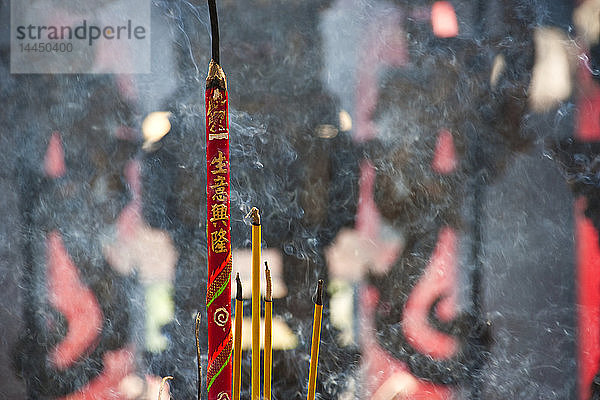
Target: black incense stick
[(214, 29)]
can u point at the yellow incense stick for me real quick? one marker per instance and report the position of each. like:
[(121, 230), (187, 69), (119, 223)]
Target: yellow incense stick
[(316, 338), (198, 355), (237, 345), (255, 303), (268, 361)]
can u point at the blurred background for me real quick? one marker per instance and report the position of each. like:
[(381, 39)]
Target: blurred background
[(437, 163)]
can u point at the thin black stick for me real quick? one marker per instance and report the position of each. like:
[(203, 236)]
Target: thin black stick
[(214, 29)]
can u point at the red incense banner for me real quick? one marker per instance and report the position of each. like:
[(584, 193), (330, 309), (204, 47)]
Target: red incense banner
[(218, 295)]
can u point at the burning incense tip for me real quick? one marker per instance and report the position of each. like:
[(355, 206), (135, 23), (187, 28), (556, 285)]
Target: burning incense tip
[(268, 353), (238, 293), (198, 319), (162, 385), (319, 294), (216, 76), (268, 293), (254, 214)]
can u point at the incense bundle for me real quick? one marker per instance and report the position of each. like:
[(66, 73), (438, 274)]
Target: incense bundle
[(218, 295)]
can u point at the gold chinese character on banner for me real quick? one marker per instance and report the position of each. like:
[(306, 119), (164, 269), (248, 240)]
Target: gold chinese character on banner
[(217, 96), (218, 241), (220, 164), (213, 136), (219, 181), (215, 120), (216, 102), (220, 194), (219, 213), (217, 117)]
